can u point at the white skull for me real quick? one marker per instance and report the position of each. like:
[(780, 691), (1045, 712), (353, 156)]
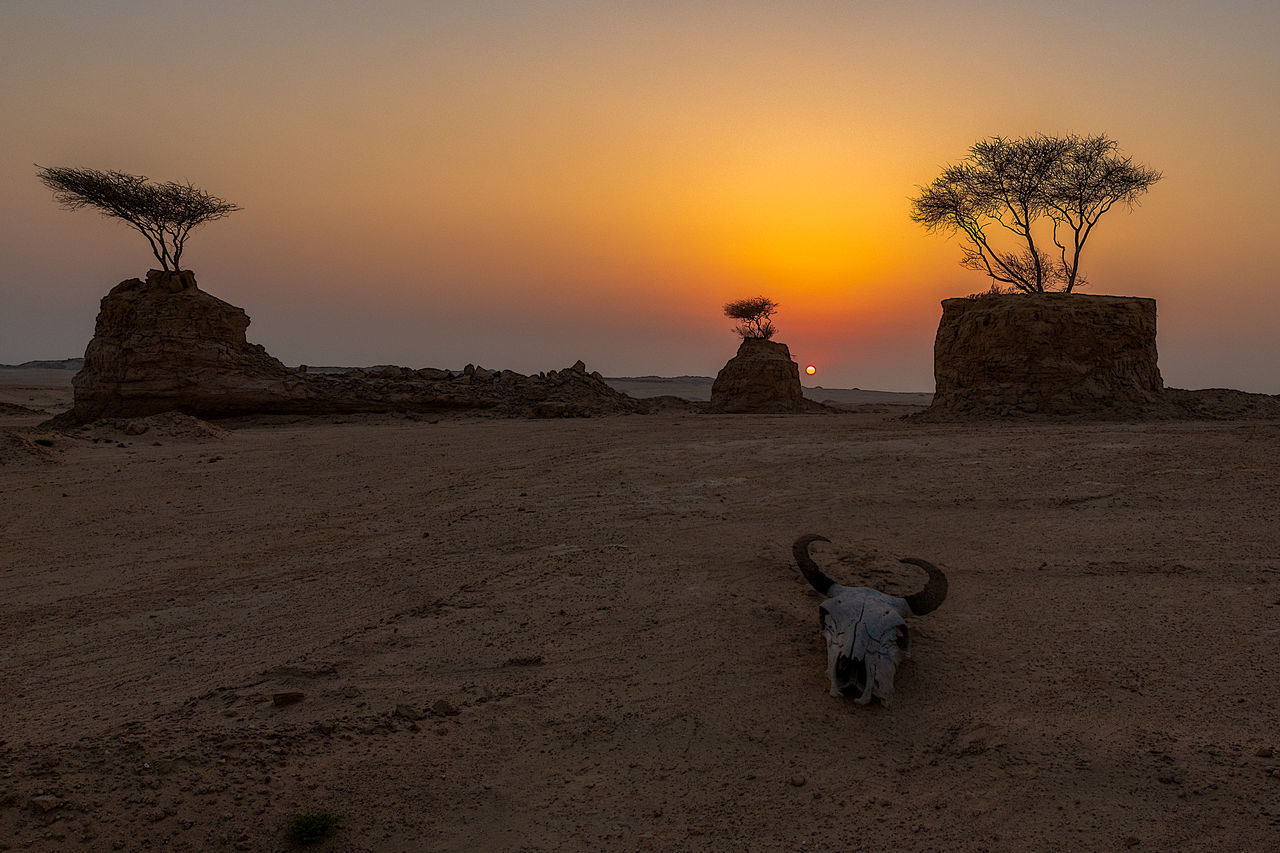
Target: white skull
[(865, 629), (867, 637)]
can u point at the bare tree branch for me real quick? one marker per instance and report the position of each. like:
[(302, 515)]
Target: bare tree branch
[(165, 214)]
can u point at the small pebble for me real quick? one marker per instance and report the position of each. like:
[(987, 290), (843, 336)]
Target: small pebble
[(45, 803)]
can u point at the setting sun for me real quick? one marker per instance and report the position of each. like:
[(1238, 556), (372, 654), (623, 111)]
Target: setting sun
[(811, 370)]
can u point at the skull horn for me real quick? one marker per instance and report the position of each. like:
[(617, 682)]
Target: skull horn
[(934, 592), (810, 569)]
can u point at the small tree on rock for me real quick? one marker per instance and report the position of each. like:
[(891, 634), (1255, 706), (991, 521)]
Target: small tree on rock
[(754, 314), (1017, 183), (164, 213)]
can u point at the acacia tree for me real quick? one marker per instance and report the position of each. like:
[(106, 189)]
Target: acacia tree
[(754, 314), (1017, 183), (164, 213)]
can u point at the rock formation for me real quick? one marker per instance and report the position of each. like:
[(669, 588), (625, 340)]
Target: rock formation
[(1047, 354), (760, 378), (165, 345)]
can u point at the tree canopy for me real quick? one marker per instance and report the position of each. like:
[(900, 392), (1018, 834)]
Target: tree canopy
[(164, 213), (754, 314), (1016, 184)]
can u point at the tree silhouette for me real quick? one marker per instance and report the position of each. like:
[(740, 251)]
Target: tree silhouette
[(754, 314), (164, 213), (1016, 183), (1091, 177)]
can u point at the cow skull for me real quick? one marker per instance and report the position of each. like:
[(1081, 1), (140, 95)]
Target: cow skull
[(865, 629)]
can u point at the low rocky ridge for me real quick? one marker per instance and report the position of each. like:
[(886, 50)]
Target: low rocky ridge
[(1058, 355), (165, 345), (760, 378), (1221, 404), (47, 364)]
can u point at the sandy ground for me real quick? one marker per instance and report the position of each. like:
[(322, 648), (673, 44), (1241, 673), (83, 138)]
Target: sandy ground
[(590, 635)]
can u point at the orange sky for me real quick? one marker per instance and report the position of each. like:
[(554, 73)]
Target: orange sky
[(524, 184)]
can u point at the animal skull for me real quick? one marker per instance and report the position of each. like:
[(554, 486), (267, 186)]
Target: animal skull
[(865, 629)]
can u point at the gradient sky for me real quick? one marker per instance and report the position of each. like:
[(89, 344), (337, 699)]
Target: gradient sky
[(523, 184)]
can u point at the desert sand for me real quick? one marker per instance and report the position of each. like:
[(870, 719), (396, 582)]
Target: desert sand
[(589, 634)]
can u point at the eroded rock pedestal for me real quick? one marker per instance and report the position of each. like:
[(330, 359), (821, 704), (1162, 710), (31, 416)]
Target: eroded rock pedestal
[(760, 378), (164, 345), (1047, 354)]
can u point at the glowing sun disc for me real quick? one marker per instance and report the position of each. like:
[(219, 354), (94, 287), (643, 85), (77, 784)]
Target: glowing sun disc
[(811, 370)]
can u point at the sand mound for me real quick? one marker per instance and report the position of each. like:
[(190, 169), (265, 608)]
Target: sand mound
[(16, 447), (15, 409), (163, 425)]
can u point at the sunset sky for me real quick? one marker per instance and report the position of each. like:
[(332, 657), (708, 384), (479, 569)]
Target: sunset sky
[(523, 184)]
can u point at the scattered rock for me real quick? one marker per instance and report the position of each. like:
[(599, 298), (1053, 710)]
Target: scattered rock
[(408, 712), (530, 660), (1265, 752), (444, 708), (798, 781), (45, 803), (1172, 776), (288, 697)]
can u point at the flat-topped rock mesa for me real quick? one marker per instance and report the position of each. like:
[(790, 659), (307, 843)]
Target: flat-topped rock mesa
[(1001, 355), (164, 344), (760, 378)]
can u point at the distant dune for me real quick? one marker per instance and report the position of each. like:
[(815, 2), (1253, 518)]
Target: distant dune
[(698, 389)]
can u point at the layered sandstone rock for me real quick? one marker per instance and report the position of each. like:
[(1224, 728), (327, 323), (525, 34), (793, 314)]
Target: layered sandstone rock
[(760, 378), (1047, 354), (165, 345)]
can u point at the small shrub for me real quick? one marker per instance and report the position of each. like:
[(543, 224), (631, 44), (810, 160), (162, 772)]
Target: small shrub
[(313, 827), (754, 314), (995, 290)]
